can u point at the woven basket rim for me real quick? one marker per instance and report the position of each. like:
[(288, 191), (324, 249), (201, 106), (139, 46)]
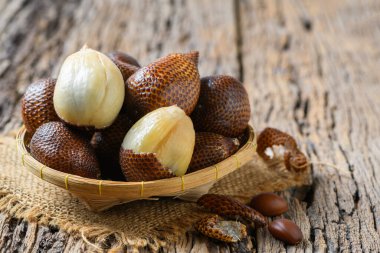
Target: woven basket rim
[(76, 184)]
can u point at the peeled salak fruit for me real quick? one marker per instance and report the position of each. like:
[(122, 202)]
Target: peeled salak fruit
[(89, 91), (170, 80), (37, 105), (57, 146), (159, 145)]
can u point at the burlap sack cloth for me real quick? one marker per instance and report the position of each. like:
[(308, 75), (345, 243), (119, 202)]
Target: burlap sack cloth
[(141, 223)]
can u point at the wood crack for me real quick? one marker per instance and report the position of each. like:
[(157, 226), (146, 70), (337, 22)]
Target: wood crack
[(239, 40)]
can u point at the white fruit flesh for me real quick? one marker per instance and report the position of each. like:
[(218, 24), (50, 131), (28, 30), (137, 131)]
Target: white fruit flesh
[(89, 90), (169, 133)]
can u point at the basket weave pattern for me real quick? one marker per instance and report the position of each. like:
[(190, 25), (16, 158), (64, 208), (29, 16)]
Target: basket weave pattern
[(99, 195)]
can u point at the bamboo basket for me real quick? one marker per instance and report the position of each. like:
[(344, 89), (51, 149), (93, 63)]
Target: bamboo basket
[(99, 195)]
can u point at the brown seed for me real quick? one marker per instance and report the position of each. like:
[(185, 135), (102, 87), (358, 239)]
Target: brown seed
[(269, 204), (107, 145), (37, 105), (227, 231), (229, 207), (58, 147), (286, 231), (126, 63), (170, 80), (211, 148), (223, 106)]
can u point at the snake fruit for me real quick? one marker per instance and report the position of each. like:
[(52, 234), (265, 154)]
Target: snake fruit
[(126, 63), (107, 144), (170, 80), (37, 105), (211, 148), (223, 106), (57, 146), (159, 145), (89, 91)]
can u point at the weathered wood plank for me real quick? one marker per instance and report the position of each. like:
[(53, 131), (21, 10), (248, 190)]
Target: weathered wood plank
[(310, 67), (310, 71)]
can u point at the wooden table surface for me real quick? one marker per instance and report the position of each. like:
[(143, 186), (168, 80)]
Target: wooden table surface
[(311, 68)]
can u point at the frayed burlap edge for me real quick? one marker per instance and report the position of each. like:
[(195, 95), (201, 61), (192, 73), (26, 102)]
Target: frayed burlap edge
[(95, 236)]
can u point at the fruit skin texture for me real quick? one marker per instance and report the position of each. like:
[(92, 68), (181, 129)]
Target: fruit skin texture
[(270, 137), (90, 90), (286, 231), (269, 204), (37, 105), (107, 145), (123, 57), (223, 106), (227, 231), (170, 80), (126, 63), (159, 145), (57, 146), (211, 148), (229, 207), (273, 139), (142, 167)]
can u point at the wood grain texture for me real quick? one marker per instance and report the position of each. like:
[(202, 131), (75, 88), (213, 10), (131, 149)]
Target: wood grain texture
[(311, 68)]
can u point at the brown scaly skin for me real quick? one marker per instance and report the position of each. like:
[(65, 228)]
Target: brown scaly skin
[(295, 161), (142, 167), (107, 145), (211, 148), (223, 106), (170, 80), (37, 105), (213, 226), (126, 63), (293, 157), (123, 57), (56, 146), (271, 136), (243, 138), (230, 207)]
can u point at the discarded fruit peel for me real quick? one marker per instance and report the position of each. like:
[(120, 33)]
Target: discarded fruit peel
[(230, 207), (273, 144), (215, 227)]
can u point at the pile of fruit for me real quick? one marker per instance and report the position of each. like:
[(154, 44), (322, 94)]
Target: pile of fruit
[(107, 117)]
